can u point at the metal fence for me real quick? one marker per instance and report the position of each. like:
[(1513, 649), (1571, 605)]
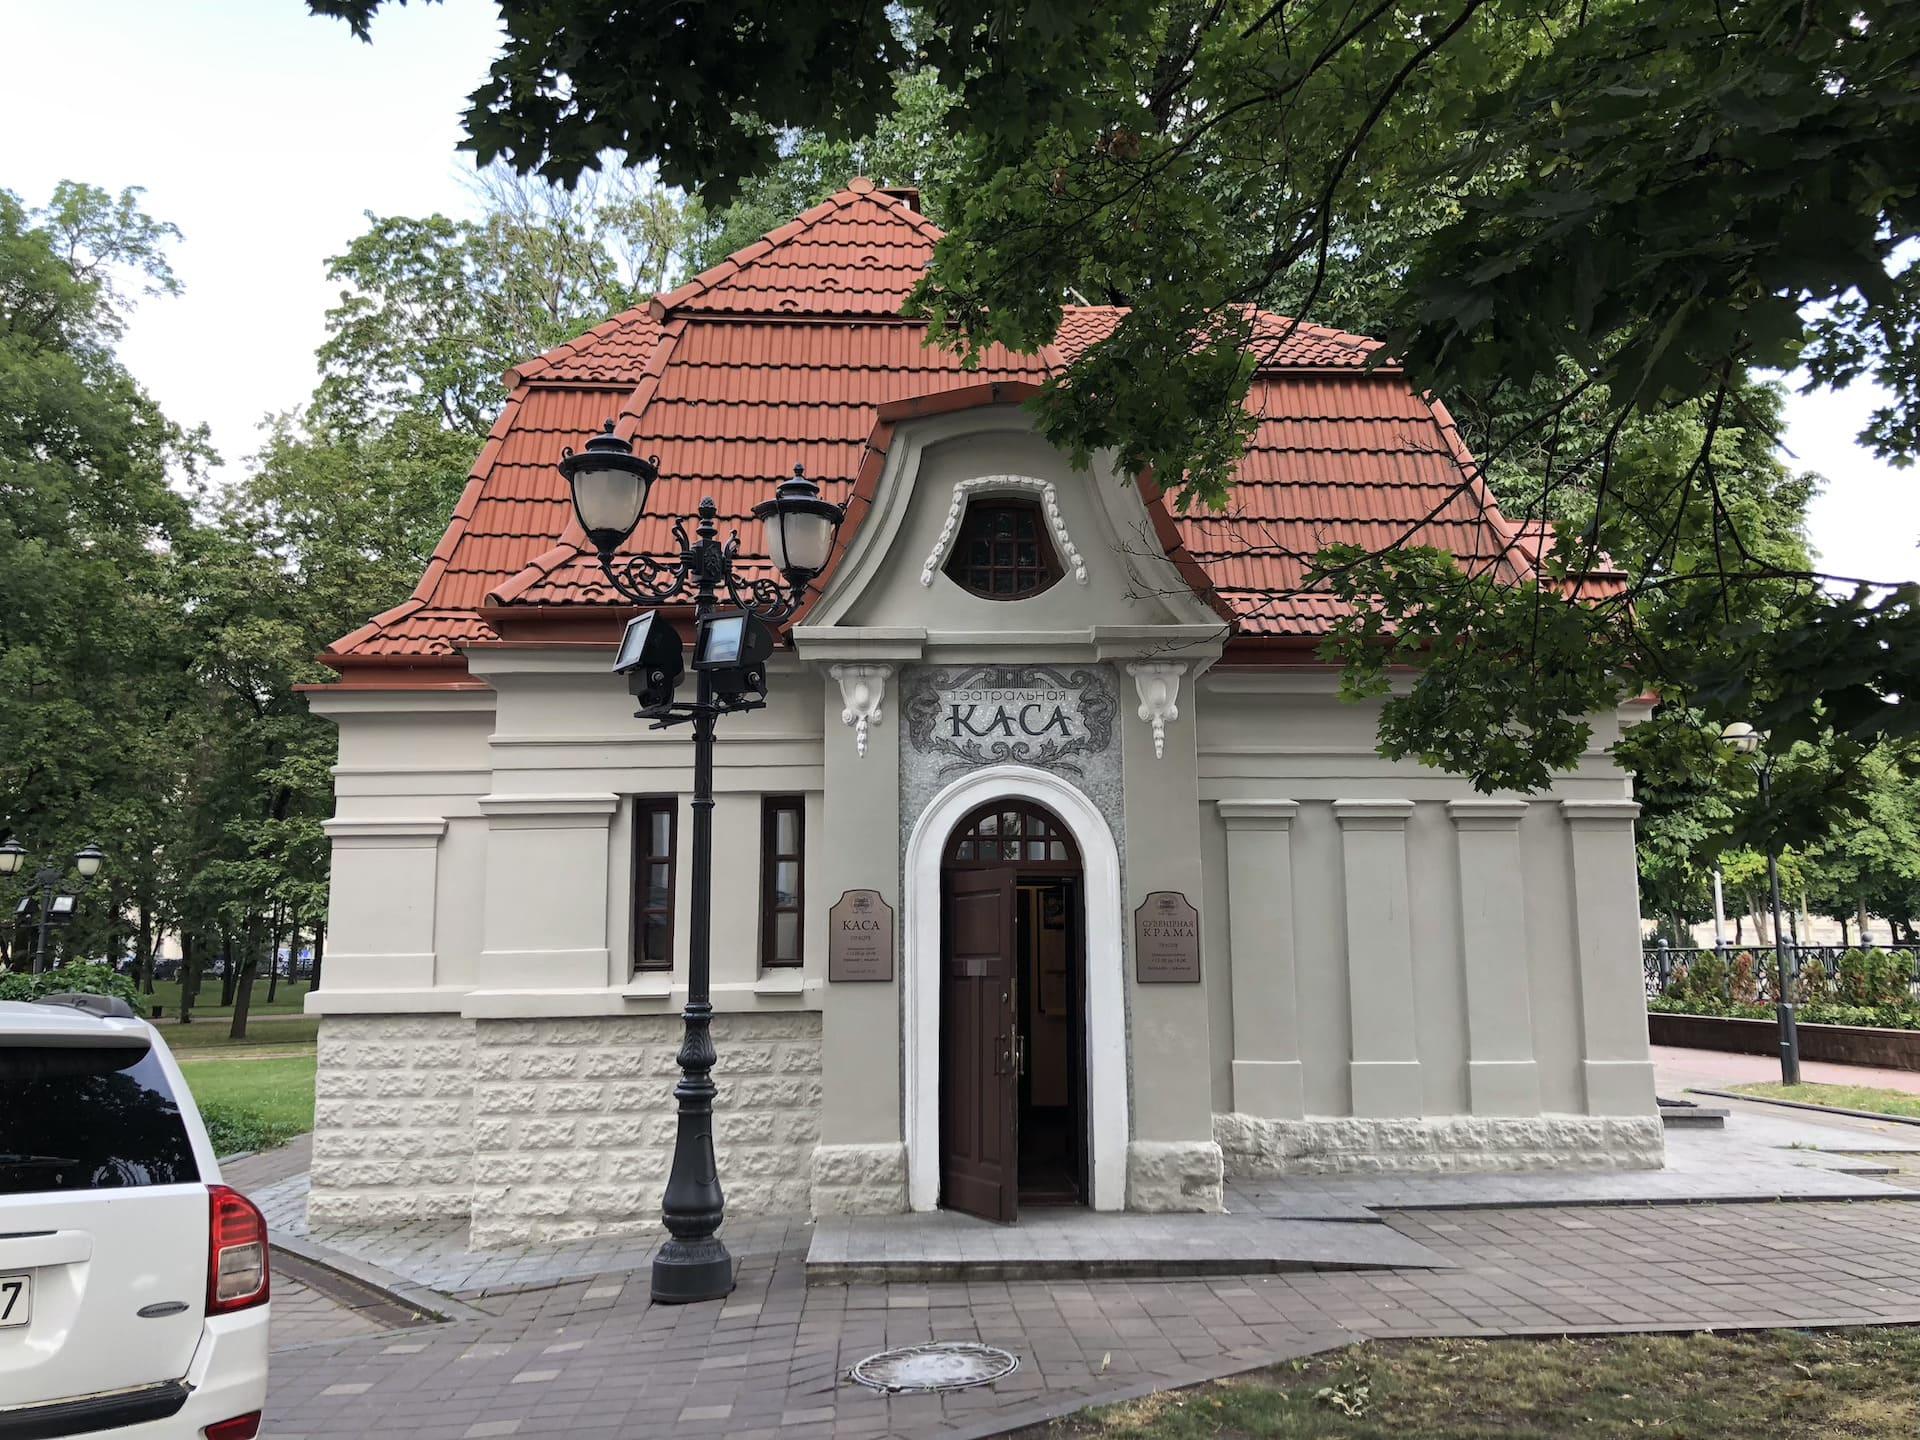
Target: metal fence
[(1842, 974)]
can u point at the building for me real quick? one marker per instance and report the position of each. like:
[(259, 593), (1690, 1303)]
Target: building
[(1054, 867)]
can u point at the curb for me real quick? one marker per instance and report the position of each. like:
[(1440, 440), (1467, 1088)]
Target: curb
[(1808, 1105), (404, 1293)]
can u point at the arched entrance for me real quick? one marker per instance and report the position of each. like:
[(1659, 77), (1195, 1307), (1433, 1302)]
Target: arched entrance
[(1101, 1005), (1012, 1049)]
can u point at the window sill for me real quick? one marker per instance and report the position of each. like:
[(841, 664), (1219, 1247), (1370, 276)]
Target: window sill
[(781, 982), (651, 985)]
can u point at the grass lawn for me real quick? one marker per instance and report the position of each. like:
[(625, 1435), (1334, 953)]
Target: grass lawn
[(286, 999), (252, 1097), (1860, 1383), (1844, 1097), (263, 1031)]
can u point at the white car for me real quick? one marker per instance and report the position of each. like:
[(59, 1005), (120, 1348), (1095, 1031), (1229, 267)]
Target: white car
[(133, 1284)]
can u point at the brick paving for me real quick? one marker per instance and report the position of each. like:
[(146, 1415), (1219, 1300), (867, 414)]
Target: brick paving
[(561, 1340), (1675, 1068), (593, 1358), (1760, 1156)]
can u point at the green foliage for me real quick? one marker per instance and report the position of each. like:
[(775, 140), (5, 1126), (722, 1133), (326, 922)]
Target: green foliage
[(1866, 987), (1874, 978), (1586, 225), (92, 695), (434, 311), (911, 145), (251, 1103), (77, 979)]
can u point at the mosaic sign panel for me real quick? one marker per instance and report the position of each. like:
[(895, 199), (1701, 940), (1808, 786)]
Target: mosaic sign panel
[(1057, 719)]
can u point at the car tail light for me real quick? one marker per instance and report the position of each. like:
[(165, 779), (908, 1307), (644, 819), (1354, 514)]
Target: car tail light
[(236, 1256), (240, 1427)]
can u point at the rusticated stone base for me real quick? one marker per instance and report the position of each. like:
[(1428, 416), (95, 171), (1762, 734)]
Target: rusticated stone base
[(574, 1121), (859, 1179), (392, 1120), (1257, 1148), (1174, 1175), (552, 1129)]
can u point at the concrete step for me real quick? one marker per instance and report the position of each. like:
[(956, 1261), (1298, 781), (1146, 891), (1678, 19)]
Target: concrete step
[(1684, 1114), (1082, 1244)]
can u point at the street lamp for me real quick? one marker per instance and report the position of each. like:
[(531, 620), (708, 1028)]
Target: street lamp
[(610, 485), (49, 902), (1749, 743)]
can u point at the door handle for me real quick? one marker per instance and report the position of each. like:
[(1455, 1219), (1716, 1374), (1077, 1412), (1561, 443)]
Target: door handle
[(1019, 1053)]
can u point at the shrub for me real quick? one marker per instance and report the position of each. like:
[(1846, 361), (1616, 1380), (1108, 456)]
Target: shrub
[(1743, 984), (1810, 985), (235, 1130), (84, 979)]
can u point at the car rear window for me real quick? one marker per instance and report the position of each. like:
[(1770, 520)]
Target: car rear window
[(88, 1119)]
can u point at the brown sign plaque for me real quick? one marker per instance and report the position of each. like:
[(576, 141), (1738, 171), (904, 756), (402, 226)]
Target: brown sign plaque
[(860, 938), (1166, 940)]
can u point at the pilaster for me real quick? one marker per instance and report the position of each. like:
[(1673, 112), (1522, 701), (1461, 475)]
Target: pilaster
[(1385, 1059), (1606, 920), (1501, 1075), (546, 896), (1267, 1075), (383, 888), (858, 848)]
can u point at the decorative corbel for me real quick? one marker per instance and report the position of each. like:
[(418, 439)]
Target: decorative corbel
[(862, 689), (1158, 682)]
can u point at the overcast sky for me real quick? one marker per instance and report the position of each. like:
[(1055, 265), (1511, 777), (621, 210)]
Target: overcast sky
[(266, 135)]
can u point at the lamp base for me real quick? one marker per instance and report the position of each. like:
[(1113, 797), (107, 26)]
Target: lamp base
[(688, 1271)]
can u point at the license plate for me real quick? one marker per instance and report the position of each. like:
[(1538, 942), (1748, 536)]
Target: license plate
[(16, 1299)]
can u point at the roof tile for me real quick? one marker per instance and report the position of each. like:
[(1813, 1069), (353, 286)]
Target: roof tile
[(787, 350)]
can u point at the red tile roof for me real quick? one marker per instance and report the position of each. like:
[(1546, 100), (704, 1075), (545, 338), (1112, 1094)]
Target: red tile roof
[(793, 350)]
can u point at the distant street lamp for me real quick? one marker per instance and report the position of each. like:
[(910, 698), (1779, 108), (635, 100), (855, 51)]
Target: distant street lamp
[(610, 485), (1749, 742), (50, 903)]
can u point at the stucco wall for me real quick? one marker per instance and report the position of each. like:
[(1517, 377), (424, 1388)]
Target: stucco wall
[(1408, 975)]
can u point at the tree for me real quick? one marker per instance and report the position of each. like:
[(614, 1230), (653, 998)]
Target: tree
[(435, 310), (1870, 864), (910, 145), (1634, 205), (92, 684)]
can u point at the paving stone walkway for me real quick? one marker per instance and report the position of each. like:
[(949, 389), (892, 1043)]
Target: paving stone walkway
[(593, 1358), (1768, 1156), (563, 1340)]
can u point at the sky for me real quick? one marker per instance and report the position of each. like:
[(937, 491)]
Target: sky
[(266, 135)]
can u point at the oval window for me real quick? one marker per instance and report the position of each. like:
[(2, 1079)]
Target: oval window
[(1003, 551)]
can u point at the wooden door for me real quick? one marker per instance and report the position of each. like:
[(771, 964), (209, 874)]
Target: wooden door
[(978, 1086)]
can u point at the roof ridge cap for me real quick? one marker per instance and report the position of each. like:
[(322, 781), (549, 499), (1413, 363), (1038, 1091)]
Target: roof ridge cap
[(670, 300), (537, 569), (858, 190), (525, 370)]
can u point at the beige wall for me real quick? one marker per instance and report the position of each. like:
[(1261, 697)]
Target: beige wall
[(1452, 954), (1382, 947)]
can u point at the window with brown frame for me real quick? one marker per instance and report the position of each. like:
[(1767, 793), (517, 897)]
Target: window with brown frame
[(655, 823), (1003, 551), (783, 840)]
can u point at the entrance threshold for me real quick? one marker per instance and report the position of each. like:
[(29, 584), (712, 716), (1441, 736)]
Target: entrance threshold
[(1074, 1244)]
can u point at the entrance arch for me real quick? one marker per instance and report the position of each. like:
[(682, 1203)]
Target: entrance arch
[(1106, 1042)]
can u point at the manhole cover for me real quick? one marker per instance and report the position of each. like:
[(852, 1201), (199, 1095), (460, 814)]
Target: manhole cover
[(942, 1365)]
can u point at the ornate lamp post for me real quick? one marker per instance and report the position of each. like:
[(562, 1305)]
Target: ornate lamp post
[(610, 486), (46, 881), (1748, 741)]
